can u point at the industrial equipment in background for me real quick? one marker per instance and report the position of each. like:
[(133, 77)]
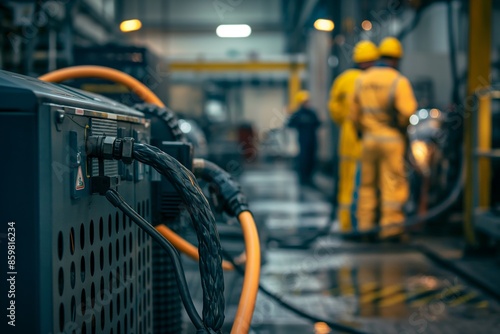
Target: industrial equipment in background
[(138, 62), (485, 164)]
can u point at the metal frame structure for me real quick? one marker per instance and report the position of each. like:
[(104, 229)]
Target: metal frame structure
[(480, 24), (482, 155)]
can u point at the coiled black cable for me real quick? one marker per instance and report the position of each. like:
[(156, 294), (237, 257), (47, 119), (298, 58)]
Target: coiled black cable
[(114, 197), (210, 250), (166, 115)]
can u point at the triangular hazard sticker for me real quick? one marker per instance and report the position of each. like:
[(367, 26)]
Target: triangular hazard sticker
[(80, 183)]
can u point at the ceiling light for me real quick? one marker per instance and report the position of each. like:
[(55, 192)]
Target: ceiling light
[(423, 113), (366, 25), (233, 30), (324, 25), (185, 126), (435, 113), (130, 25)]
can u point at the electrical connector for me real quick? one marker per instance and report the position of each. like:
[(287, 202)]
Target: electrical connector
[(227, 192), (110, 148), (229, 195)]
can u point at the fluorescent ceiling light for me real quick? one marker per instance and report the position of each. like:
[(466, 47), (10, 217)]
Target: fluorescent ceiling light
[(233, 30), (324, 25), (130, 25)]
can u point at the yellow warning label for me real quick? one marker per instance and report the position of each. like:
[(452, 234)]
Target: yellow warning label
[(80, 182)]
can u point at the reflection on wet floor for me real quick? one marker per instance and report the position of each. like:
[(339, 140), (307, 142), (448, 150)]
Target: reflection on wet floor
[(387, 289), (374, 288), (384, 285)]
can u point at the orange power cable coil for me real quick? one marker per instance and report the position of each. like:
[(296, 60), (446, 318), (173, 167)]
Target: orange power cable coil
[(101, 72)]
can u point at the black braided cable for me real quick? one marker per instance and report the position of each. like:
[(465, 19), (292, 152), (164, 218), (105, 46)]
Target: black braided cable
[(114, 197), (166, 115), (209, 247)]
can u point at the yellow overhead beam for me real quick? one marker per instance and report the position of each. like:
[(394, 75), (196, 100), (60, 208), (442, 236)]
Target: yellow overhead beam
[(251, 66)]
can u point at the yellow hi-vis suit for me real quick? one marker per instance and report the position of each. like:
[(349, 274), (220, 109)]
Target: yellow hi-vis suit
[(349, 147), (383, 101)]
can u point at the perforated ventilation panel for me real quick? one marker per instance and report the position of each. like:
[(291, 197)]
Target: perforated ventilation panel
[(104, 276), (166, 300), (101, 261)]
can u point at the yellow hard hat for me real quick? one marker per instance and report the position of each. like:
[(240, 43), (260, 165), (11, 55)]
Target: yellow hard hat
[(301, 97), (365, 51), (391, 47)]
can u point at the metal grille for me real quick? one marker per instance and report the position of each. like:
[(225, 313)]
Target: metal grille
[(109, 128), (101, 282), (144, 274), (102, 261), (166, 300)]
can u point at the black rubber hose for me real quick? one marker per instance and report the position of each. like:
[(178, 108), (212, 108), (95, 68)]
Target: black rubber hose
[(210, 263), (299, 312), (228, 191), (206, 170), (114, 197)]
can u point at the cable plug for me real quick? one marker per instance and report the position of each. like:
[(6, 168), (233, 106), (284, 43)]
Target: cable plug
[(229, 194), (109, 148)]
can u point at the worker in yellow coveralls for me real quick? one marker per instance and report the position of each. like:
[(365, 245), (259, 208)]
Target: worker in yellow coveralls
[(365, 53), (382, 105)]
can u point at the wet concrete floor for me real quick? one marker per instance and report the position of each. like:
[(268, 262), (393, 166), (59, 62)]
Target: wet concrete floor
[(373, 288)]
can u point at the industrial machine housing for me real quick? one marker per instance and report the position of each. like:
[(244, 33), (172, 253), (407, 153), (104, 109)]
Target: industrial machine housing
[(81, 266)]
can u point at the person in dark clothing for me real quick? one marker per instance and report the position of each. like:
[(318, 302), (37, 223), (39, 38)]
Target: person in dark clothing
[(306, 122)]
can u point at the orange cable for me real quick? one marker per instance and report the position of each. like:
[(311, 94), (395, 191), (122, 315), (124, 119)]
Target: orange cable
[(250, 288), (184, 246), (101, 72)]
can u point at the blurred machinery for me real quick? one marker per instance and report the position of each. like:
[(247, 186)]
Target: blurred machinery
[(137, 62), (432, 169)]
